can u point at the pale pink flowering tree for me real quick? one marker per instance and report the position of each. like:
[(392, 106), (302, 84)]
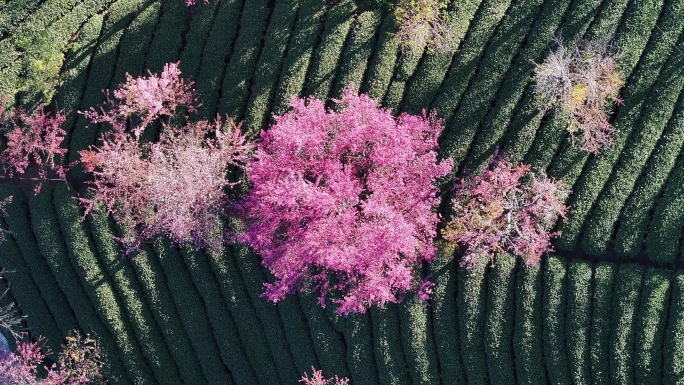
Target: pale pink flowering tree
[(173, 187), (505, 209), (141, 100), (33, 139), (342, 202), (582, 82), (78, 363), (318, 379)]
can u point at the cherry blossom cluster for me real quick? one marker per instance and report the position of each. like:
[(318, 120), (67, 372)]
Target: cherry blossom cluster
[(173, 187), (141, 100), (32, 138), (318, 379), (505, 209), (342, 201), (78, 363)]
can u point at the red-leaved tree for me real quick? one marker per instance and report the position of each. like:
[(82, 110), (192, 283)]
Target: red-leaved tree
[(78, 363), (32, 138), (342, 201), (505, 209), (318, 379), (174, 186)]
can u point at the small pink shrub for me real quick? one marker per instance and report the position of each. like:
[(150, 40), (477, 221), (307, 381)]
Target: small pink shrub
[(342, 201), (78, 363), (318, 379), (505, 209), (32, 138)]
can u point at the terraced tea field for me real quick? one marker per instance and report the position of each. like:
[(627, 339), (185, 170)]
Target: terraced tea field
[(607, 308)]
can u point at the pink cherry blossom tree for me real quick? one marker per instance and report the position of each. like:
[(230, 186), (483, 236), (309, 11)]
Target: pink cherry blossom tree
[(78, 363), (342, 201), (32, 138), (141, 100), (173, 187), (507, 208), (318, 379)]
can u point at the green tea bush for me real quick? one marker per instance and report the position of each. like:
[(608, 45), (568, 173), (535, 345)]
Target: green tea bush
[(360, 360), (157, 293), (197, 37), (299, 53), (225, 331), (471, 305), (601, 323), (554, 314), (496, 60), (268, 67), (419, 348), (628, 282), (327, 342), (101, 293), (50, 242), (246, 49), (578, 320), (668, 218), (432, 70), (467, 57), (253, 279), (514, 83), (328, 53), (102, 67), (635, 215), (17, 219), (75, 71), (381, 65), (244, 314), (192, 312), (27, 295), (673, 346), (152, 314), (209, 78), (500, 320), (527, 332), (650, 327), (445, 331), (168, 36), (628, 166), (389, 355), (357, 51)]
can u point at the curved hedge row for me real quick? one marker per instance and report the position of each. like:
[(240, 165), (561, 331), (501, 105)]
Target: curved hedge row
[(247, 47), (18, 223), (158, 332), (578, 320), (299, 53), (192, 312), (328, 52), (217, 50), (357, 52), (270, 62), (500, 320), (422, 87)]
